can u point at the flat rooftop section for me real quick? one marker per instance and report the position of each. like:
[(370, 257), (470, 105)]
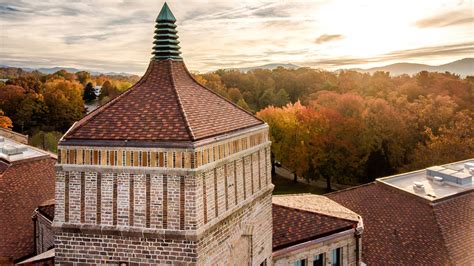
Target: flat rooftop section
[(12, 151), (426, 178)]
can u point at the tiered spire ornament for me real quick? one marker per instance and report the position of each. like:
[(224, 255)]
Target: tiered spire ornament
[(166, 38)]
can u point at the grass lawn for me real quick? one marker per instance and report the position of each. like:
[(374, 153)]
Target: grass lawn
[(286, 186)]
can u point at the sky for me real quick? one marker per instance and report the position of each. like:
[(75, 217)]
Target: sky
[(117, 35)]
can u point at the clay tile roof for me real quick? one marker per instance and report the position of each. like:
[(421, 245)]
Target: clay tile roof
[(403, 229), (315, 203), (167, 104), (293, 226), (23, 186)]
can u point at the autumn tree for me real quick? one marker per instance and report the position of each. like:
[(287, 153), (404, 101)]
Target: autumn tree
[(5, 122), (453, 142), (83, 77), (288, 140), (65, 104), (108, 92)]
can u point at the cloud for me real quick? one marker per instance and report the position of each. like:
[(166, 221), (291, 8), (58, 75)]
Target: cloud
[(111, 35), (459, 49), (450, 18), (328, 38), (452, 49)]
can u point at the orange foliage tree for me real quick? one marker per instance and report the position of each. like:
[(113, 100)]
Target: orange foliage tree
[(5, 122)]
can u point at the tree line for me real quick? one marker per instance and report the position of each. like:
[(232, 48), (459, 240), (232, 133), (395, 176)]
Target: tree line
[(44, 106), (346, 127), (350, 127)]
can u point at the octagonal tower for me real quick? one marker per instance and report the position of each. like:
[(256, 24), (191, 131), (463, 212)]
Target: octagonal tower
[(167, 172)]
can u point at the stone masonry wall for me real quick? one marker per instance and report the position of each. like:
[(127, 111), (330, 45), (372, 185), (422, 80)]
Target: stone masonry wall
[(222, 244), (94, 249), (146, 215)]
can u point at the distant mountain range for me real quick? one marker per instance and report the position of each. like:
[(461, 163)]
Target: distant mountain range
[(267, 66), (51, 70), (463, 67)]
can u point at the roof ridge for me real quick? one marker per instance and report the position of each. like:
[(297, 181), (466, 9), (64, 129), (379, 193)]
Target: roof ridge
[(97, 111), (181, 109), (441, 232), (317, 213), (220, 96), (350, 188)]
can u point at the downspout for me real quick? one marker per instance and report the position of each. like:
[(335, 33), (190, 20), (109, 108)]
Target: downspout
[(35, 218), (358, 234), (357, 237)]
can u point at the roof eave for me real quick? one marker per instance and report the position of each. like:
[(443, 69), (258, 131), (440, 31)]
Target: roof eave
[(180, 144)]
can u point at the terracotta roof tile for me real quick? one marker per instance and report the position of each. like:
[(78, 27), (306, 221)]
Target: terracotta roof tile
[(23, 186), (293, 226), (167, 104), (403, 229), (315, 203)]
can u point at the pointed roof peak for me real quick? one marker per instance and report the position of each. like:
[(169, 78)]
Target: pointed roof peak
[(166, 37), (165, 14)]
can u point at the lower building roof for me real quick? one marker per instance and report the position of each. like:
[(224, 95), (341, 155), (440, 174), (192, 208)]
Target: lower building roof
[(24, 185), (295, 222), (404, 229)]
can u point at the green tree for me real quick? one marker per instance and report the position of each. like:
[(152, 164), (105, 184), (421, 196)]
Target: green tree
[(281, 98), (89, 94), (244, 105), (46, 140)]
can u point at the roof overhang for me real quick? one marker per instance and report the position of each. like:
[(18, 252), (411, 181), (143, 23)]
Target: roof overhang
[(160, 144)]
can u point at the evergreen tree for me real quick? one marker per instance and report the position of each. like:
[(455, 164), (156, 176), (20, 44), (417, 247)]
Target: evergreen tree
[(89, 94)]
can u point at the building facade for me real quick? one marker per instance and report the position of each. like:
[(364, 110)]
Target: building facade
[(168, 172), (27, 179), (424, 217), (314, 230)]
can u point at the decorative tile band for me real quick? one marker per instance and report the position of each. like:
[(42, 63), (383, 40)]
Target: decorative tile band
[(159, 158)]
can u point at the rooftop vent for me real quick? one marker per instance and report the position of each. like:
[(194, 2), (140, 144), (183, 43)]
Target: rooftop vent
[(449, 174), (418, 187), (12, 150), (469, 167), (438, 180)]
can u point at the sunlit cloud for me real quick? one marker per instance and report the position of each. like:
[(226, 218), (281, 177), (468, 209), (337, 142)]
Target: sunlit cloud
[(328, 38), (450, 18), (109, 35), (424, 52)]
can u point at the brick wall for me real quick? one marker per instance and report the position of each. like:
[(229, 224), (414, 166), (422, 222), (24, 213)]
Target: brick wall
[(227, 200), (246, 233), (80, 248)]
